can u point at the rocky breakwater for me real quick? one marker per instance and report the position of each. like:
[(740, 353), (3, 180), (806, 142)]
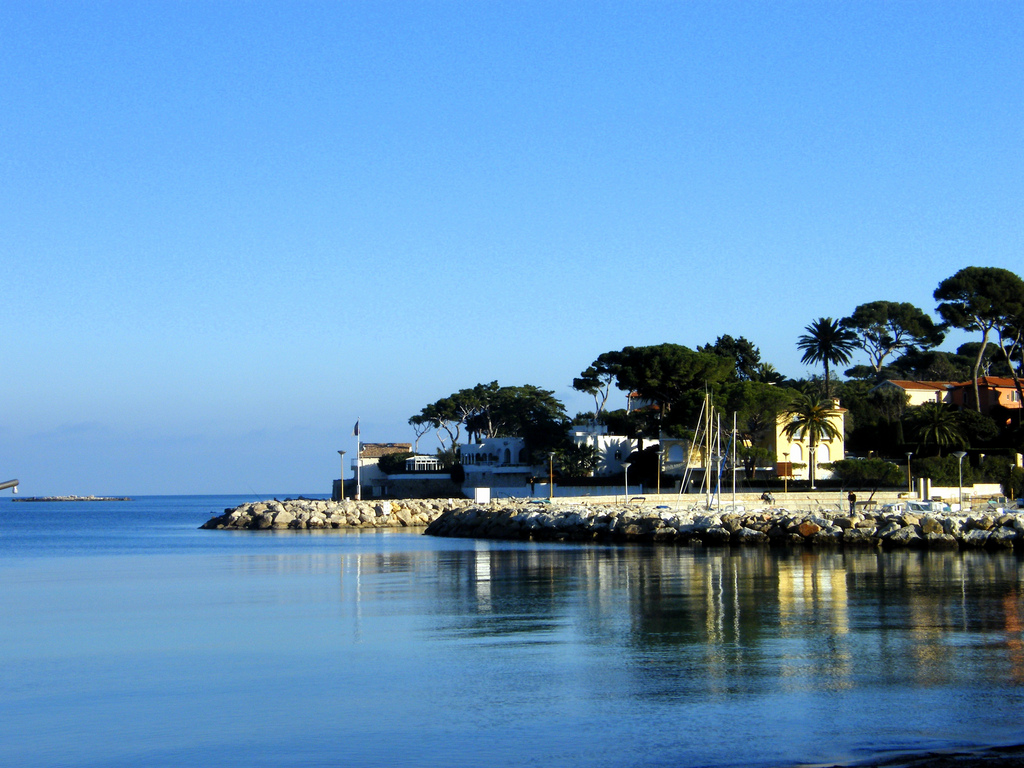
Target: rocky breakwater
[(997, 531), (319, 513)]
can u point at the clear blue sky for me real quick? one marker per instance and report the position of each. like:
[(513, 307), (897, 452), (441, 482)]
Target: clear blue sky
[(229, 229)]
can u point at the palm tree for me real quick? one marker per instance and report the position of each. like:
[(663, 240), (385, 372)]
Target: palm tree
[(827, 341), (813, 418), (936, 424)]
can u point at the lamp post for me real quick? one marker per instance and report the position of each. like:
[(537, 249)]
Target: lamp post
[(625, 472), (341, 489), (551, 475), (910, 480), (785, 475), (660, 452), (960, 466)]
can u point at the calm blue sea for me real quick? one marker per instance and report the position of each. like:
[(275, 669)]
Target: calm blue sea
[(131, 638)]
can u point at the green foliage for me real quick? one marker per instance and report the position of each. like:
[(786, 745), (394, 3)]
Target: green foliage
[(393, 463), (976, 428), (869, 473), (943, 470), (936, 424), (449, 458), (1002, 470), (813, 418), (490, 410), (753, 456), (932, 365), (745, 357), (883, 328), (981, 299), (671, 376), (597, 380), (757, 407), (577, 460), (827, 342), (874, 417), (1013, 486), (765, 373)]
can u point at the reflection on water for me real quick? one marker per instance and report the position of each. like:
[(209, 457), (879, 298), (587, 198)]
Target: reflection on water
[(731, 620), (392, 649), (731, 602)]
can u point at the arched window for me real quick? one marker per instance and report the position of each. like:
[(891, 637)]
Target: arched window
[(508, 456), (796, 454)]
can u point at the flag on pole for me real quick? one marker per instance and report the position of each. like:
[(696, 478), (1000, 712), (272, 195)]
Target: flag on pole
[(355, 430)]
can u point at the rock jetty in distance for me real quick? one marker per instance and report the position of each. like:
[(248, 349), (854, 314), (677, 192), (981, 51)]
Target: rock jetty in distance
[(71, 498), (297, 514), (563, 521)]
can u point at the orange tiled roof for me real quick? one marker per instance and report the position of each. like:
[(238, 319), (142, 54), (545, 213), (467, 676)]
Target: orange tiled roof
[(922, 385), (989, 381)]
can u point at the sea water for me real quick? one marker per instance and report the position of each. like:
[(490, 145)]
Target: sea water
[(129, 637)]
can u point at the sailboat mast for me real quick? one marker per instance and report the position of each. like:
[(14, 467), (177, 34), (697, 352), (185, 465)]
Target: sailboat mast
[(734, 461)]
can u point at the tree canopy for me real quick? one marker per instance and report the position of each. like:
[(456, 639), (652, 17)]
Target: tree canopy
[(872, 473), (745, 356), (812, 417), (597, 381), (827, 342), (981, 299), (668, 374), (491, 410), (884, 328)]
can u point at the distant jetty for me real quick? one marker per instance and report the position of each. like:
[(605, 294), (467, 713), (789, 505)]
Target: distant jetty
[(318, 513), (71, 498)]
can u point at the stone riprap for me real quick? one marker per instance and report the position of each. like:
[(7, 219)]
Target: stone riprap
[(320, 513), (995, 531)]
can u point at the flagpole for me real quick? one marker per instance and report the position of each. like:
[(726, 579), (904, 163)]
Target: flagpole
[(359, 461)]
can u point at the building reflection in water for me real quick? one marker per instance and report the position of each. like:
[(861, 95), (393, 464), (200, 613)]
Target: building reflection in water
[(730, 619)]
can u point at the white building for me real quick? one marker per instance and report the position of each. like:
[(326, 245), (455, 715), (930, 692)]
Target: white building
[(612, 450)]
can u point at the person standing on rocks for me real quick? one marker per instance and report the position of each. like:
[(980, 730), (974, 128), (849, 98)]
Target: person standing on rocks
[(852, 498)]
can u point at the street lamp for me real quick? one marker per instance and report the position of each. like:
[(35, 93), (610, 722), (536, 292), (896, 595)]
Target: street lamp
[(960, 465), (785, 474), (661, 453), (625, 472), (341, 489), (551, 475), (910, 480)]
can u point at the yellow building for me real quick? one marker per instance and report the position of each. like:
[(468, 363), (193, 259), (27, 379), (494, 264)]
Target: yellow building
[(793, 455)]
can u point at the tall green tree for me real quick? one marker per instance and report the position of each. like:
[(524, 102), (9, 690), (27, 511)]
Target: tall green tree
[(829, 343), (490, 410), (884, 328), (1010, 331), (745, 356), (597, 381), (669, 374), (577, 460), (814, 418), (979, 299), (935, 424)]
